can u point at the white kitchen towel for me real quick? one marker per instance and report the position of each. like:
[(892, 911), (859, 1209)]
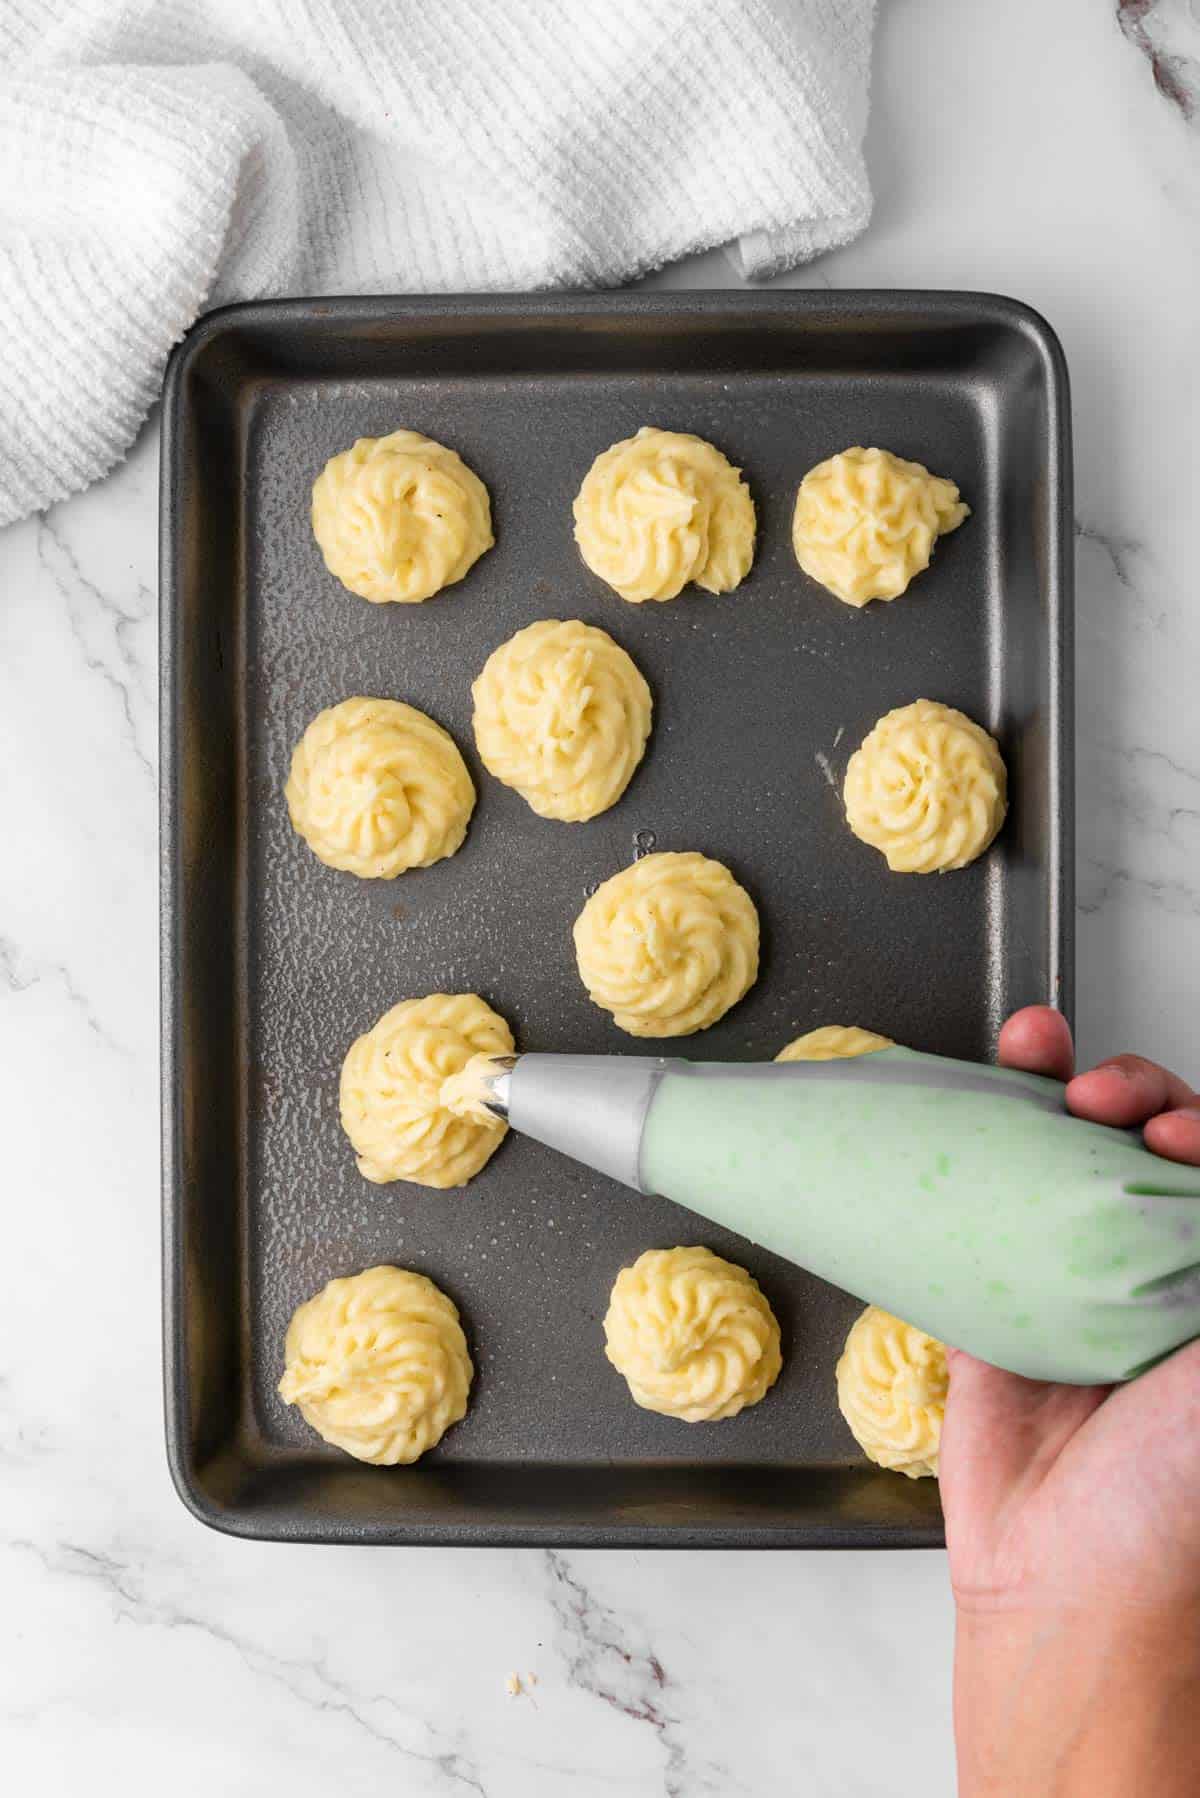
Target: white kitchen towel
[(158, 157)]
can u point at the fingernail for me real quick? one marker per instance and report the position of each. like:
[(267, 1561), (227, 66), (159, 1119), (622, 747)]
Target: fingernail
[(1190, 1112), (1117, 1074)]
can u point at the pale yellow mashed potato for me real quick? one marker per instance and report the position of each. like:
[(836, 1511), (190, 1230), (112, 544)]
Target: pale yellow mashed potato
[(833, 1042), (892, 1383), (391, 1098), (668, 945), (378, 1365), (562, 715), (866, 522), (927, 788), (400, 517), (693, 1335), (661, 509), (376, 787)]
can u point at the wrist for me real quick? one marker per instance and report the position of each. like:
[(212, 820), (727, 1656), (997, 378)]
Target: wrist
[(1061, 1701)]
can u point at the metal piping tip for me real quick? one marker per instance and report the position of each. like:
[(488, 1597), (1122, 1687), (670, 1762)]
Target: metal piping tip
[(482, 1086), (496, 1081)]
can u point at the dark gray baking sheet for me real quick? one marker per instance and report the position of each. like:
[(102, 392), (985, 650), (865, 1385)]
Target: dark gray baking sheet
[(273, 963)]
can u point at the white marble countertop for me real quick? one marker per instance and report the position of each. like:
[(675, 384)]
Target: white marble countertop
[(1022, 148)]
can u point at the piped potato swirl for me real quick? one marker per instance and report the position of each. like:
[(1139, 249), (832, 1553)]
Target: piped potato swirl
[(376, 787), (398, 518), (927, 788), (834, 1042), (392, 1096), (892, 1383), (661, 509), (668, 945), (866, 523), (378, 1364), (693, 1335), (562, 715)]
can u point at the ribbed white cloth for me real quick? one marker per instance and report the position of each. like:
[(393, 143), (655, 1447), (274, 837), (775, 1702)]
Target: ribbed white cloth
[(158, 157)]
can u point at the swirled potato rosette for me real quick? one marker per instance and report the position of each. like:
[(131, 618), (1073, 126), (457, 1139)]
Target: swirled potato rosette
[(376, 788), (834, 1042), (562, 715), (400, 517), (927, 788), (391, 1097), (693, 1335), (661, 509), (892, 1383), (866, 523), (378, 1364), (668, 945)]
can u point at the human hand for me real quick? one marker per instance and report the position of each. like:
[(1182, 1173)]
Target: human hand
[(1073, 1525)]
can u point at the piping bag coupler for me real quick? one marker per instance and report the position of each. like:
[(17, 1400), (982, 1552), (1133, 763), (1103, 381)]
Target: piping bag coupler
[(964, 1198)]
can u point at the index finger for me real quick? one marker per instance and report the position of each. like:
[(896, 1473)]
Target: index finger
[(1037, 1040)]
